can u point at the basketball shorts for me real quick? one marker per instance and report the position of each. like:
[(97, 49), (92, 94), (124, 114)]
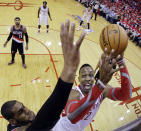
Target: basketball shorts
[(43, 20), (17, 46), (88, 18)]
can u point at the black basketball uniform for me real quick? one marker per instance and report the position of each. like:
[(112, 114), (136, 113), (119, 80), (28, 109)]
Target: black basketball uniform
[(17, 40)]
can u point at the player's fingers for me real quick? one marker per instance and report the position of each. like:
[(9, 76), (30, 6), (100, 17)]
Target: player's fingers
[(66, 28), (62, 33), (118, 58), (112, 54), (103, 56), (105, 51), (67, 25), (113, 61), (71, 34), (79, 42)]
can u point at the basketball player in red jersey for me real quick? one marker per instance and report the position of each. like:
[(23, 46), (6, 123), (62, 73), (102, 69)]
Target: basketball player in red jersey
[(43, 14), (17, 33), (85, 99)]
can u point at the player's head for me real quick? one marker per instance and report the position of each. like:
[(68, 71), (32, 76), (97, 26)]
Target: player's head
[(17, 20), (16, 113), (44, 3), (86, 77)]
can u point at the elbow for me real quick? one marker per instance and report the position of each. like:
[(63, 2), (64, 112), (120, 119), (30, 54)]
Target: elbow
[(127, 98)]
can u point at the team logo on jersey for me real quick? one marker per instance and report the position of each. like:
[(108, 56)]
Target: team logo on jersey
[(18, 5)]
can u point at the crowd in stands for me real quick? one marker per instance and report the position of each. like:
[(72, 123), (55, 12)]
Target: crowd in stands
[(126, 13)]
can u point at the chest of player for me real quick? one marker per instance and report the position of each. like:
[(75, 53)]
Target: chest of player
[(18, 32), (44, 11)]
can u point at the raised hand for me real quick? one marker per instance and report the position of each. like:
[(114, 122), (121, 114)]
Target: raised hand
[(70, 50), (106, 66)]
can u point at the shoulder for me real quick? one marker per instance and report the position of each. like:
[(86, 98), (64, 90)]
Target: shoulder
[(11, 29)]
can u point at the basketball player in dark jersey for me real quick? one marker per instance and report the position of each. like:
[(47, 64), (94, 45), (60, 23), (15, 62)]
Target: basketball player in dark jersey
[(17, 34)]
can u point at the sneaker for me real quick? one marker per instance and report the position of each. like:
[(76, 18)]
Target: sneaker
[(12, 62), (24, 66)]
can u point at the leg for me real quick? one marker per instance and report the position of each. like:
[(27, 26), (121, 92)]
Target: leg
[(21, 52), (95, 15), (81, 22), (47, 25), (40, 23), (88, 23), (13, 52), (88, 26), (39, 26)]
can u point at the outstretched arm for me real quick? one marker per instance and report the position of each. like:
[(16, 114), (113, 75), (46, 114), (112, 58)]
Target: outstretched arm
[(123, 93)]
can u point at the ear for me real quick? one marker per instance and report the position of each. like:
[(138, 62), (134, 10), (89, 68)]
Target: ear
[(12, 121)]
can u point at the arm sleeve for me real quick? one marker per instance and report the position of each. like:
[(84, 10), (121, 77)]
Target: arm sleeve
[(50, 112), (125, 92), (10, 36), (26, 37)]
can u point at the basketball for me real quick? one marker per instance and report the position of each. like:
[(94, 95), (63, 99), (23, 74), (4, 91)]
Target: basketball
[(114, 37)]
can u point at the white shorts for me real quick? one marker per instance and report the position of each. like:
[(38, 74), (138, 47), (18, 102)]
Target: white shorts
[(64, 124), (43, 20), (88, 18)]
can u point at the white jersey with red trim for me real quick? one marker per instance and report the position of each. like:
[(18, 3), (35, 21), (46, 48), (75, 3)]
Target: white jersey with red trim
[(88, 13), (87, 119), (64, 124), (44, 11)]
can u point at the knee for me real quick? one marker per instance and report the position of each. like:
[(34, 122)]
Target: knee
[(22, 54), (13, 52)]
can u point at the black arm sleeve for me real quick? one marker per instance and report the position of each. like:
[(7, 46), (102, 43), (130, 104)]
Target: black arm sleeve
[(9, 37), (26, 37), (50, 112)]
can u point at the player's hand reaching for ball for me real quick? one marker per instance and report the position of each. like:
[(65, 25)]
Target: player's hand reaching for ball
[(106, 66)]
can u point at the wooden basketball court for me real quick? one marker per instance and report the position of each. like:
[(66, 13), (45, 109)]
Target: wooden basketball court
[(44, 60)]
